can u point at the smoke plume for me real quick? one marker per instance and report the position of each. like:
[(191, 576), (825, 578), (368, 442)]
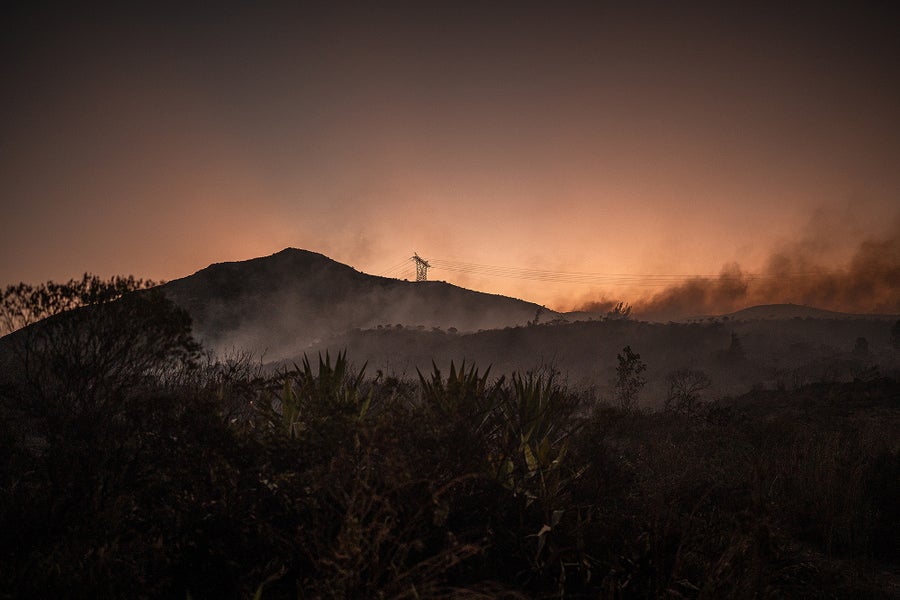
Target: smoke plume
[(796, 273)]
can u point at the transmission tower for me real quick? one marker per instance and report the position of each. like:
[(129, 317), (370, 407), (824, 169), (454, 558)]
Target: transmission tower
[(421, 267)]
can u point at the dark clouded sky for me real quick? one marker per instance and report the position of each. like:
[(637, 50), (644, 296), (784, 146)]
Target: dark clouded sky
[(637, 138)]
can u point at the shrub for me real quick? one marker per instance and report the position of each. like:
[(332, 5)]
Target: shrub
[(629, 377), (685, 387)]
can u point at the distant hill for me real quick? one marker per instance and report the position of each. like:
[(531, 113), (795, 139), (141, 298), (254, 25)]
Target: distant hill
[(776, 352), (286, 302), (793, 311), (297, 302)]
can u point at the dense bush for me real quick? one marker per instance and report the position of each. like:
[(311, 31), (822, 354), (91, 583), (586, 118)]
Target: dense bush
[(218, 481)]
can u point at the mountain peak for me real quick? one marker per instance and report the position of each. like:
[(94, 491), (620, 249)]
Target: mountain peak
[(284, 264), (287, 300), (290, 251)]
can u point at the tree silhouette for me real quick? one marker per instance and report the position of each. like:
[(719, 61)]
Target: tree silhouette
[(78, 350), (629, 378), (620, 312), (685, 387), (24, 304)]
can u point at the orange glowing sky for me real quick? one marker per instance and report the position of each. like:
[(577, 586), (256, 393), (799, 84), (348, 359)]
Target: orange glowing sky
[(592, 137)]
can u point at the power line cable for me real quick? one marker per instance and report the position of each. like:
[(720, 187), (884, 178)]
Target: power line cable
[(595, 278), (395, 268)]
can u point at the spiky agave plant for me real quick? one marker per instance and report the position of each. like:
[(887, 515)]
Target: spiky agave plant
[(464, 394), (334, 389), (536, 429), (458, 424), (533, 458), (537, 407), (333, 393)]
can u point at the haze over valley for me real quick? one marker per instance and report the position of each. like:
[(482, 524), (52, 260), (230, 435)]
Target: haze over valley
[(297, 302), (285, 303)]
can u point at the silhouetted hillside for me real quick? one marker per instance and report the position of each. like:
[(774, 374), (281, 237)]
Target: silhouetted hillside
[(737, 355), (793, 311), (283, 303), (297, 302)]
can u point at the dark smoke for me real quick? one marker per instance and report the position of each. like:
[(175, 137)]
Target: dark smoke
[(795, 274), (602, 305)]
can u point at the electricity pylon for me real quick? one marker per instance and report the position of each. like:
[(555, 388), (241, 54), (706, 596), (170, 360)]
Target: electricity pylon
[(421, 267)]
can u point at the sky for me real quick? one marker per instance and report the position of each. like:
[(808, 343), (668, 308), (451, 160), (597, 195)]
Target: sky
[(701, 156)]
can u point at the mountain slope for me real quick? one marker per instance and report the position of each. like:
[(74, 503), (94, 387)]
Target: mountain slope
[(285, 302), (792, 311)]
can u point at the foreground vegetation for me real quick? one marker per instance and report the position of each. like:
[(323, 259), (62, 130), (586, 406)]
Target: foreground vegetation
[(181, 477)]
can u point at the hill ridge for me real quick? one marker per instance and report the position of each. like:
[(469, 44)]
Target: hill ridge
[(290, 299), (788, 310)]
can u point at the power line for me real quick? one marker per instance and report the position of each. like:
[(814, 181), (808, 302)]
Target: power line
[(595, 278), (422, 267), (399, 267), (559, 276)]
